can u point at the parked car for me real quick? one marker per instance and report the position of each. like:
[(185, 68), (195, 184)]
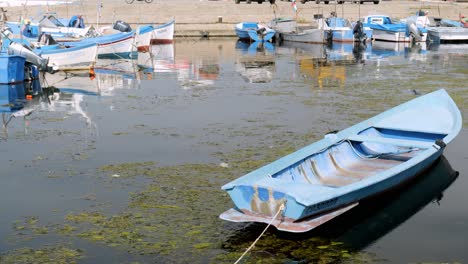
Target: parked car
[(250, 1), (340, 1)]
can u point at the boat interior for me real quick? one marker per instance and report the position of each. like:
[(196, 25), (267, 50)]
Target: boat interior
[(371, 151)]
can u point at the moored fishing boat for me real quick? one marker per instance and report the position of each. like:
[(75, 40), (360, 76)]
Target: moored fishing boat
[(385, 28), (440, 30), (342, 30), (288, 30), (69, 58), (325, 179), (254, 31), (50, 24)]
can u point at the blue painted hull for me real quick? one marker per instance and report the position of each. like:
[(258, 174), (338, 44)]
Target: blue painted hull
[(348, 35), (341, 169), (11, 68), (251, 31)]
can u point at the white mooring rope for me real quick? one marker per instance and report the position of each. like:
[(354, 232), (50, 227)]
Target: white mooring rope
[(258, 238)]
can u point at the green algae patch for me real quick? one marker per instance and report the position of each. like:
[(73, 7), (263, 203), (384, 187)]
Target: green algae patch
[(58, 255), (130, 169), (176, 214), (28, 229)]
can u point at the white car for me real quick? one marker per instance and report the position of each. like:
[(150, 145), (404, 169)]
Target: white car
[(376, 2), (258, 1)]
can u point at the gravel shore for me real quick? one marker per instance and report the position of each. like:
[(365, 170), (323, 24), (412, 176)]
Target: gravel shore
[(218, 17)]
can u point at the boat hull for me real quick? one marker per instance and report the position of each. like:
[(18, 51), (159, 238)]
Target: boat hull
[(12, 68), (448, 34), (74, 58), (122, 48), (163, 34), (305, 36), (254, 32), (143, 38), (392, 36), (346, 35), (118, 45)]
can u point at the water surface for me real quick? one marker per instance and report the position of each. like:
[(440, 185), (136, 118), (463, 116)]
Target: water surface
[(125, 163)]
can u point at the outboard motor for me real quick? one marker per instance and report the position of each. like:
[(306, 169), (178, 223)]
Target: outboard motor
[(358, 31), (122, 26), (46, 39), (19, 49), (413, 31)]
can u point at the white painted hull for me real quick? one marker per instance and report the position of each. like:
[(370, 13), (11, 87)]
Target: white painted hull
[(163, 34), (123, 47), (143, 41), (448, 34), (69, 31), (394, 36), (306, 36), (75, 59)]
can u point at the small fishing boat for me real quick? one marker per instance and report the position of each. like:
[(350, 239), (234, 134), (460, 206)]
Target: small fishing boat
[(254, 31), (163, 34), (60, 57), (327, 178), (441, 30), (385, 28), (342, 30), (289, 30), (50, 24)]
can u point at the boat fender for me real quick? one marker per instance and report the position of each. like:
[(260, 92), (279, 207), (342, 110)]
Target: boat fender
[(440, 143)]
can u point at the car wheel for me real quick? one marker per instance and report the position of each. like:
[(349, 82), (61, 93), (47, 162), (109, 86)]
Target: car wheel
[(326, 2), (376, 2), (317, 2), (340, 2), (361, 2), (260, 1), (272, 2), (237, 1)]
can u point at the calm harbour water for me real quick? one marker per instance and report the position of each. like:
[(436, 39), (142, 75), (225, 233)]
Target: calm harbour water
[(126, 165)]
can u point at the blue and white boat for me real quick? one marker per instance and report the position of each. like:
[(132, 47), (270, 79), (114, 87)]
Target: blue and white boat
[(254, 31), (118, 45), (342, 30), (327, 178), (55, 57), (441, 30), (386, 29), (50, 24)]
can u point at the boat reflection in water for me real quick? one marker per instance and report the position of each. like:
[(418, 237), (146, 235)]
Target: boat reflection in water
[(413, 51), (16, 101), (384, 213), (190, 70), (360, 227), (326, 65), (255, 61), (103, 79)]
